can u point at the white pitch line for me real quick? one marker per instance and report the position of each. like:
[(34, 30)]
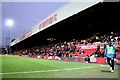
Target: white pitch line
[(68, 69)]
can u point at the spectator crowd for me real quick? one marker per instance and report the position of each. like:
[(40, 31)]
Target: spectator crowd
[(67, 48)]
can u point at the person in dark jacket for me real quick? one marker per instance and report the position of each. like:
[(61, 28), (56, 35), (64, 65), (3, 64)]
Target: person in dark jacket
[(87, 59)]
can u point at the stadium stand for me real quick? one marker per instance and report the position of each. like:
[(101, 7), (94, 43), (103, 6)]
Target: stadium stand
[(83, 31), (71, 49)]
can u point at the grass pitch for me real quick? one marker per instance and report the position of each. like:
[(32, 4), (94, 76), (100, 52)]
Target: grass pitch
[(21, 67)]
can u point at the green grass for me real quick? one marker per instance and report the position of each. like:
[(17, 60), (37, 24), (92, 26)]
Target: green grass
[(22, 64)]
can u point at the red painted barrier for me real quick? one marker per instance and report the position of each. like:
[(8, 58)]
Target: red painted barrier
[(118, 53), (76, 59), (89, 51), (40, 57), (53, 57), (46, 57), (82, 55), (66, 59), (101, 60), (82, 60), (86, 52)]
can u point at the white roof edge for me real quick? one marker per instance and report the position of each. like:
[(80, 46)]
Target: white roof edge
[(70, 8)]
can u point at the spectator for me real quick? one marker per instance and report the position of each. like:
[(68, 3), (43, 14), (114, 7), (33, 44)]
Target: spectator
[(87, 59), (77, 53), (69, 48), (81, 51), (98, 53)]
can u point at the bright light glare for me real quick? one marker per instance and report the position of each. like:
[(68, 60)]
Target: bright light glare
[(9, 22)]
